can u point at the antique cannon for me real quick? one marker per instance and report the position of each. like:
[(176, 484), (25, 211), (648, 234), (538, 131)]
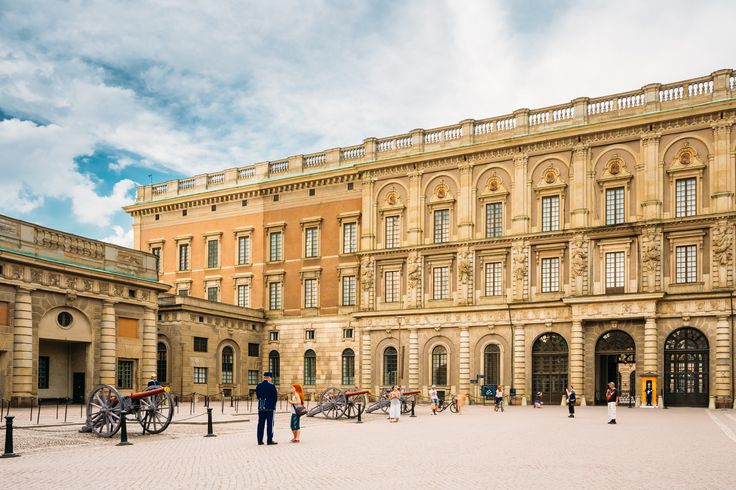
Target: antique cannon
[(334, 403), (152, 408), (408, 398)]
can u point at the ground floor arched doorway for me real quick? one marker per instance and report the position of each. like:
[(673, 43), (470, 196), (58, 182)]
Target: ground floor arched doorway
[(549, 367), (615, 361), (686, 355)]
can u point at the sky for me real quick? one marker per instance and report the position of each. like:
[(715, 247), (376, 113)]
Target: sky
[(97, 97)]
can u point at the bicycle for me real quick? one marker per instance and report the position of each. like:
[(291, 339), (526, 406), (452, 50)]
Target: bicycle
[(445, 404), (498, 406)]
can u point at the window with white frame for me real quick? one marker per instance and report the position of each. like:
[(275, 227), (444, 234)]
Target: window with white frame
[(212, 253), (685, 197), (310, 293), (311, 242), (393, 231), (200, 375), (550, 274), (274, 296), (615, 269), (213, 293), (349, 238), (349, 284), (494, 220), (441, 226), (550, 213), (183, 291), (184, 257), (275, 248), (156, 251), (493, 278), (686, 266), (243, 250), (244, 295), (615, 206), (391, 286), (441, 283)]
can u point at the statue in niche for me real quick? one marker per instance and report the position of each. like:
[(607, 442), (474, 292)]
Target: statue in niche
[(366, 273), (579, 255)]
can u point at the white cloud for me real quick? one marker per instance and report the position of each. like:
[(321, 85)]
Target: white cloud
[(120, 236)]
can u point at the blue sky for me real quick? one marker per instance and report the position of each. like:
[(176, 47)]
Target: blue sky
[(95, 96)]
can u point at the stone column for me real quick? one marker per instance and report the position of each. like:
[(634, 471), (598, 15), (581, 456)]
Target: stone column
[(650, 353), (414, 209), (650, 177), (365, 360), (723, 357), (108, 345), (721, 169), (577, 360), (413, 358), (520, 211), (368, 218), (150, 335), (520, 362), (579, 187), (23, 344), (465, 206), (464, 364)]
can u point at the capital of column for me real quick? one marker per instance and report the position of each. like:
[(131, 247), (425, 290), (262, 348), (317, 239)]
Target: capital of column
[(23, 289)]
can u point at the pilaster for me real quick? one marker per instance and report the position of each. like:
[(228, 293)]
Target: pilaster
[(414, 209), (413, 358), (650, 177), (520, 362), (464, 366), (23, 344), (723, 357), (579, 187), (150, 335), (108, 345), (722, 173), (520, 190), (365, 359), (577, 359), (368, 219), (650, 345), (464, 202)]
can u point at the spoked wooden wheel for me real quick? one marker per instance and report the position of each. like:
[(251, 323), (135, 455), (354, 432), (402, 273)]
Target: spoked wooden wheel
[(155, 411), (387, 405), (334, 402), (104, 404), (406, 402), (352, 409)]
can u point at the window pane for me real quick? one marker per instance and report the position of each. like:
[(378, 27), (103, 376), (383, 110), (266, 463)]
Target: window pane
[(349, 290), (615, 272), (162, 363), (615, 206), (685, 197), (125, 374), (550, 275), (244, 250), (212, 246), (348, 367), (550, 213), (393, 231), (439, 366), (441, 277), (349, 238), (183, 257), (494, 220), (275, 247), (391, 286), (310, 293), (244, 295), (227, 365), (493, 279), (686, 264), (441, 226), (310, 368), (200, 375), (213, 293), (390, 366), (311, 245)]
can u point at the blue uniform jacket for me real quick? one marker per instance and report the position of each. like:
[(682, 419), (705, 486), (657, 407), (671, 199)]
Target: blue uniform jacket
[(267, 396)]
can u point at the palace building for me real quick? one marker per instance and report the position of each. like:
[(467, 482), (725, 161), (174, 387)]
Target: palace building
[(74, 313), (582, 243)]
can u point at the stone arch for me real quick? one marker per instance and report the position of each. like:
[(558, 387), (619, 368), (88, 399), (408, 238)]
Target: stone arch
[(426, 363), (79, 330), (378, 354), (478, 360), (235, 361), (553, 161), (164, 366)]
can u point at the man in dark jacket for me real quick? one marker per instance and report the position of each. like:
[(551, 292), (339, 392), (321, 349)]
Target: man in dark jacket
[(267, 397)]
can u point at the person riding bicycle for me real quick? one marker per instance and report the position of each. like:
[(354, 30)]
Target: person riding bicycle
[(435, 399), (499, 399)]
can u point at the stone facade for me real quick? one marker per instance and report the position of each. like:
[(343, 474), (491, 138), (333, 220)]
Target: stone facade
[(63, 299), (548, 246)]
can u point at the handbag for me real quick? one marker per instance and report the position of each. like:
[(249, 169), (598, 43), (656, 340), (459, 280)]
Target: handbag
[(300, 410)]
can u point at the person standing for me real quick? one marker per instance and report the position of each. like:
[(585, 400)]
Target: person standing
[(153, 382), (612, 399), (499, 399), (295, 398), (267, 397), (435, 399), (571, 398), (394, 410)]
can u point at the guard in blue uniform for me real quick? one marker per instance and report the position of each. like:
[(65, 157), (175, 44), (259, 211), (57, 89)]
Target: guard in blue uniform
[(267, 397)]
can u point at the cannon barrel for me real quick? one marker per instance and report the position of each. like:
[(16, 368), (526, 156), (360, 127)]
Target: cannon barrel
[(411, 392), (144, 394), (357, 393)]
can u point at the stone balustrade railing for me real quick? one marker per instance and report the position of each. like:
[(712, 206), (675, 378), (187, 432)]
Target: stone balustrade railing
[(650, 98)]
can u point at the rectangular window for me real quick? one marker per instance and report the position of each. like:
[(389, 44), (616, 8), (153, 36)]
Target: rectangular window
[(43, 372), (349, 238), (274, 296), (685, 197), (4, 315), (440, 283), (493, 278), (551, 275), (213, 293), (227, 367), (128, 327), (254, 350), (347, 333), (615, 272), (200, 375), (275, 247), (252, 377), (156, 251), (393, 231), (311, 242), (686, 266), (615, 206), (243, 250), (244, 295), (273, 336), (310, 293), (442, 226), (162, 365), (348, 290), (550, 213), (392, 286), (183, 292), (184, 257), (494, 220), (309, 334), (125, 374), (200, 344), (212, 246)]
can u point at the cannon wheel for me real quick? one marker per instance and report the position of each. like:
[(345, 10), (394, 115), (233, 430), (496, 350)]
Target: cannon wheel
[(352, 409), (155, 411), (334, 402), (385, 406), (103, 410), (406, 403)]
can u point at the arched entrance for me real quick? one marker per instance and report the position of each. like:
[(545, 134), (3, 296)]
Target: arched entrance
[(686, 368), (549, 367), (615, 361)]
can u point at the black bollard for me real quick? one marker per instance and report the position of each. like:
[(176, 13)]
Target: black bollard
[(413, 402), (222, 405), (232, 401), (66, 408), (57, 409), (210, 433), (31, 419), (8, 453), (360, 413), (123, 430), (38, 412)]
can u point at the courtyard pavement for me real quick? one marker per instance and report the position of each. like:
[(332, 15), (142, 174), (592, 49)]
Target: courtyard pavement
[(521, 448)]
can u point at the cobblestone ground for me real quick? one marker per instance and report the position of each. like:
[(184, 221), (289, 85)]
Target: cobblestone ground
[(521, 448)]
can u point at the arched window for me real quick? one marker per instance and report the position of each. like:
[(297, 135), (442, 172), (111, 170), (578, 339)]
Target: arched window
[(310, 367), (227, 365), (615, 354), (439, 366), (492, 364), (390, 366), (549, 367), (348, 367), (162, 363), (274, 365), (686, 353)]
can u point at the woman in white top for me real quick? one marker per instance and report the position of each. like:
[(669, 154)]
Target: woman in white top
[(296, 397), (499, 399), (394, 411)]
